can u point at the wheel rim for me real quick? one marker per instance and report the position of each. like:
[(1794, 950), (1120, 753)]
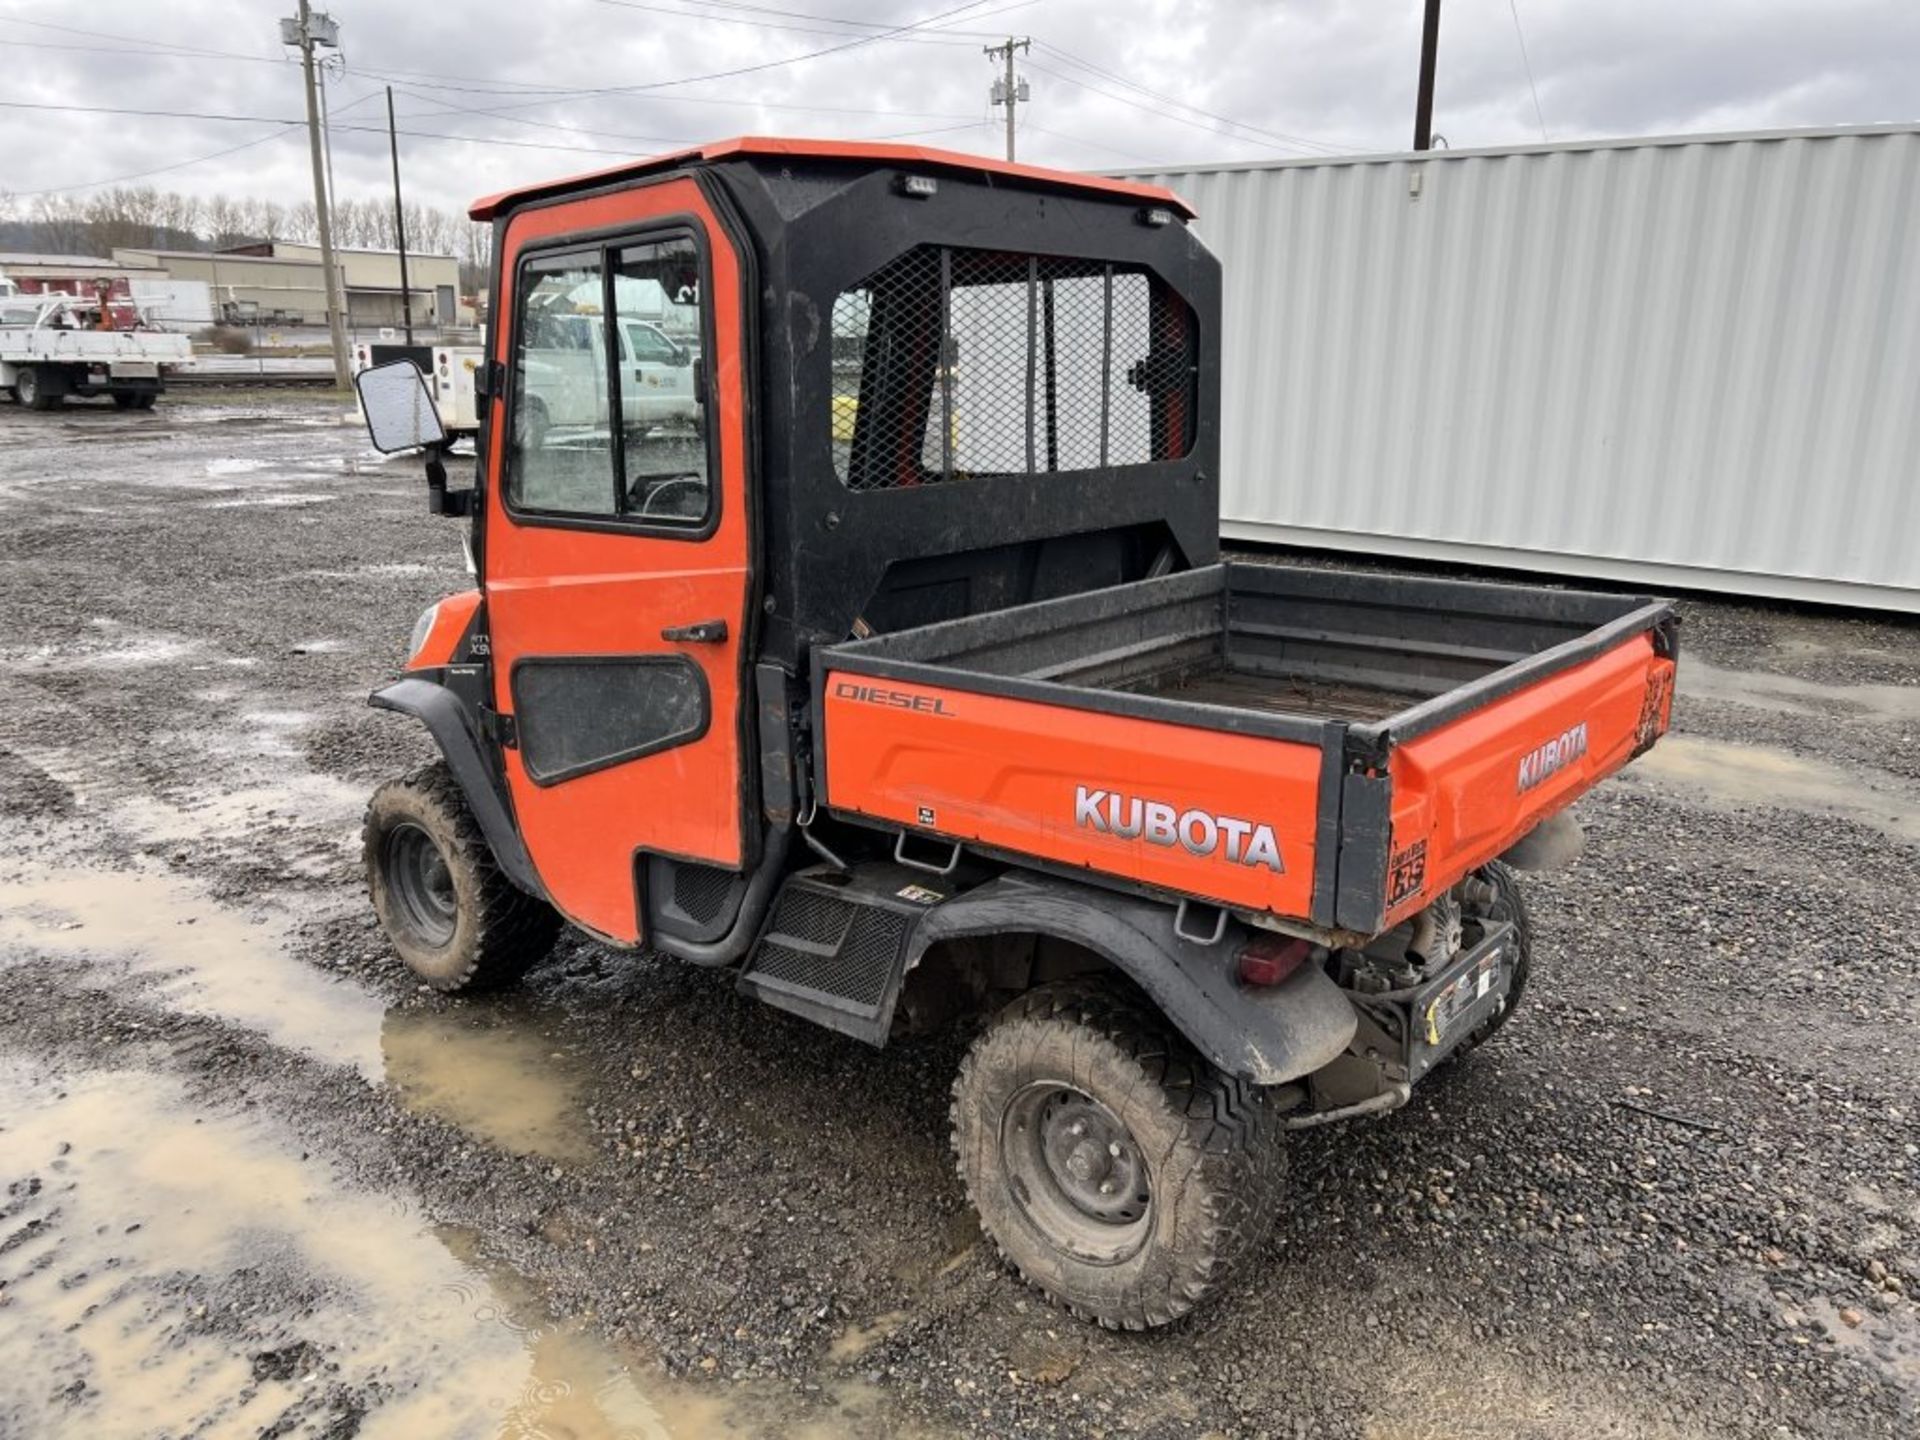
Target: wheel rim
[(420, 883), (1076, 1173), (27, 386)]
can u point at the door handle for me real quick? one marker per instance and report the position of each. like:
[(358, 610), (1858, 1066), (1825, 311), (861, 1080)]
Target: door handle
[(701, 632)]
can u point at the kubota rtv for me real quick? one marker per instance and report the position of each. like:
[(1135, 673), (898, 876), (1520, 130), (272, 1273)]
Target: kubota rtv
[(896, 670)]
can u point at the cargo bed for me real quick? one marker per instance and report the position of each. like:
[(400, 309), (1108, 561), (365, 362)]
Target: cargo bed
[(1387, 733)]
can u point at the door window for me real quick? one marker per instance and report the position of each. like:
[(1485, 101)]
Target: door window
[(609, 416), (656, 289), (562, 458)]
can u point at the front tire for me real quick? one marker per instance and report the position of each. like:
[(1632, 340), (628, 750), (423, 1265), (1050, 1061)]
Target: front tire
[(1121, 1174), (454, 918)]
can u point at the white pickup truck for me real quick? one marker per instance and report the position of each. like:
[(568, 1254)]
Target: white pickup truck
[(564, 367), (53, 346)]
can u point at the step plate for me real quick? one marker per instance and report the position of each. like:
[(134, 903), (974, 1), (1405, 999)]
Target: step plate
[(836, 949)]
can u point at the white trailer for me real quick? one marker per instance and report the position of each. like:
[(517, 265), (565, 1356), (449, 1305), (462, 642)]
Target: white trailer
[(1689, 362), (450, 377), (52, 347)]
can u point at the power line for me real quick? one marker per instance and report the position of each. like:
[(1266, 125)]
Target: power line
[(1294, 141), (960, 37), (349, 129), (127, 50), (1027, 125), (760, 66), (741, 5), (157, 170), (410, 85), (1521, 35), (1163, 113), (163, 47)]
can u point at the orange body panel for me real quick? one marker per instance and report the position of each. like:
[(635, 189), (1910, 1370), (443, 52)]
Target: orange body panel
[(1063, 785), (443, 637), (567, 591), (1469, 790)]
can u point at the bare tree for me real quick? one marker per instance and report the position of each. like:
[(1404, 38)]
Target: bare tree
[(60, 226), (302, 223)]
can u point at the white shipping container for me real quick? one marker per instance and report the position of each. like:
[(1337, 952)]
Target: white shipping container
[(1687, 362)]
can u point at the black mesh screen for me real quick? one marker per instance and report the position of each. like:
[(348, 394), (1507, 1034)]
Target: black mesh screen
[(950, 363), (702, 891), (577, 715)]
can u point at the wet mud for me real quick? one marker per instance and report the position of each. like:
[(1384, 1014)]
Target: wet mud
[(256, 1182)]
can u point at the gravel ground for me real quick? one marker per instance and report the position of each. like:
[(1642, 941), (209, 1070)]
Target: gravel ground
[(257, 1183)]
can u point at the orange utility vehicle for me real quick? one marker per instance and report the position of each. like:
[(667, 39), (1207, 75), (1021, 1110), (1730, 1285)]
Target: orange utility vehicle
[(906, 682)]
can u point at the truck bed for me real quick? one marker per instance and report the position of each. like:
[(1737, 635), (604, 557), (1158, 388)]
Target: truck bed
[(1217, 682), (1387, 732)]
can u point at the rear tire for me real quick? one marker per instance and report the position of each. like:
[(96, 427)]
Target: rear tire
[(1510, 905), (1118, 1172), (454, 918), (133, 399)]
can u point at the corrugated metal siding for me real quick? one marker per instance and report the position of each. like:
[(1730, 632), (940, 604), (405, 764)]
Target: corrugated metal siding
[(1688, 363)]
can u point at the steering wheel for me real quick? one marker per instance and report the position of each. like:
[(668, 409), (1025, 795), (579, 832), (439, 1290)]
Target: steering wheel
[(653, 506)]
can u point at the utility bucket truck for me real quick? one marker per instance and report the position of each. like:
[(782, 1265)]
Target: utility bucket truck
[(55, 346)]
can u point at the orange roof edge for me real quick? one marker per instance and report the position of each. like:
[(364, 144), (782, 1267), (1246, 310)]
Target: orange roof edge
[(913, 155)]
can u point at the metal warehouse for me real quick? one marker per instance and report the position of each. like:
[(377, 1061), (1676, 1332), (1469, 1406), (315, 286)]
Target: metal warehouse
[(1685, 362)]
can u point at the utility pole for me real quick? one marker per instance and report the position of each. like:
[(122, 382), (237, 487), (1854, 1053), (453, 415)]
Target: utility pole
[(400, 221), (1009, 90), (1423, 103), (326, 127), (308, 30)]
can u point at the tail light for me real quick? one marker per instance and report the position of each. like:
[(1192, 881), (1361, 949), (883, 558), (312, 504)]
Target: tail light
[(1269, 959)]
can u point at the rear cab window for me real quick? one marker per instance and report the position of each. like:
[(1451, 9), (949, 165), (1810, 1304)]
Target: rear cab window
[(952, 363)]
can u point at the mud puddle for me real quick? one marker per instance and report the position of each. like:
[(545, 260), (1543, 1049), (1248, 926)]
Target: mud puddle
[(1740, 777), (495, 1077), (202, 959), (173, 1270), (1788, 694), (494, 1073)]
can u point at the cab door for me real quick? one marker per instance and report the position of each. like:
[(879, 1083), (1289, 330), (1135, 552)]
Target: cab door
[(616, 558)]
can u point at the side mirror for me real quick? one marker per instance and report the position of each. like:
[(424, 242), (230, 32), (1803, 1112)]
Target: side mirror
[(399, 408)]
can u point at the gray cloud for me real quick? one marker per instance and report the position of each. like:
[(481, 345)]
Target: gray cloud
[(1338, 74)]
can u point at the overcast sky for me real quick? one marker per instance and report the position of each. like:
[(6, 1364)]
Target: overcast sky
[(1113, 82)]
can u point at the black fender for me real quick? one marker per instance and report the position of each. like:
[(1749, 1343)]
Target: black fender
[(1268, 1034), (455, 729)]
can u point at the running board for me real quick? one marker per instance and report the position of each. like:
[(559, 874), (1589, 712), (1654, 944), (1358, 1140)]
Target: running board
[(835, 950)]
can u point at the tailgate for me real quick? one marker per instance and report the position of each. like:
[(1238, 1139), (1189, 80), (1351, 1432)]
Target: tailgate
[(1459, 788)]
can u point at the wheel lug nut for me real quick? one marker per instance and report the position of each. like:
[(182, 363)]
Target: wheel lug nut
[(1079, 1127), (1106, 1187)]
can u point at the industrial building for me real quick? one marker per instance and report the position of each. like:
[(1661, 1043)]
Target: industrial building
[(1688, 362), (279, 282), (79, 275)]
